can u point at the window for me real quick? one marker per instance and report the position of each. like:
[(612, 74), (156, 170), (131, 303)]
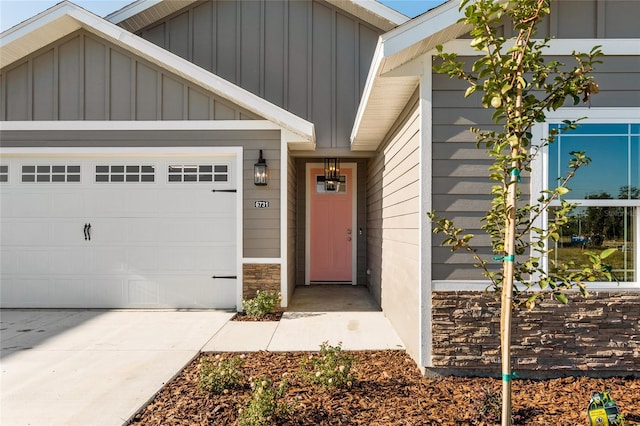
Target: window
[(607, 191), (199, 173), (4, 173), (50, 173), (131, 173), (340, 188)]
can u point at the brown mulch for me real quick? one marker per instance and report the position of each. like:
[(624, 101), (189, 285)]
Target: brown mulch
[(272, 316), (389, 391)]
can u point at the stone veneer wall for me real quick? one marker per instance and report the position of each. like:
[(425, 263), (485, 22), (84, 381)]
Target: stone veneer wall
[(259, 276), (598, 336)]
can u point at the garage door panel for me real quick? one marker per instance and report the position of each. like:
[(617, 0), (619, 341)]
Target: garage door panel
[(69, 261), (70, 292), (35, 261), (28, 205), (67, 204), (142, 259), (26, 233), (219, 231), (143, 293), (153, 244)]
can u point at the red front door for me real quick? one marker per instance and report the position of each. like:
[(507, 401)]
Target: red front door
[(331, 229)]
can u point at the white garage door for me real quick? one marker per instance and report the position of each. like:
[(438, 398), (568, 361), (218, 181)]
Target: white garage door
[(116, 231)]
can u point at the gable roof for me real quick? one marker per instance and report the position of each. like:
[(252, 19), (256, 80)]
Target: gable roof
[(142, 13), (66, 18), (388, 89)]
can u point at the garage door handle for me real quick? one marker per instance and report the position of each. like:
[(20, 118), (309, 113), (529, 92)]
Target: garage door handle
[(226, 277), (87, 231)]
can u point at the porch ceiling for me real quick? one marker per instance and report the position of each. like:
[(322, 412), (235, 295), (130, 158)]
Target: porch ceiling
[(393, 78)]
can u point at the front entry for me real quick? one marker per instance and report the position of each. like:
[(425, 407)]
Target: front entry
[(331, 240)]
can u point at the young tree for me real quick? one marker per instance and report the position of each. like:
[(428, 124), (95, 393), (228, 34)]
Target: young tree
[(520, 85)]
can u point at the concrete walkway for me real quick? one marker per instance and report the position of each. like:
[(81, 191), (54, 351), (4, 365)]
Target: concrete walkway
[(94, 367), (79, 367)]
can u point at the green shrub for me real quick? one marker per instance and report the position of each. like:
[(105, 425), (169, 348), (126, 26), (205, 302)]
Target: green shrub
[(265, 405), (330, 369), (264, 303), (218, 374), (487, 406)]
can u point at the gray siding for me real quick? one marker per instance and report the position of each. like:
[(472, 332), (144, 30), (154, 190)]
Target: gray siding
[(589, 19), (393, 223), (292, 211), (307, 57), (83, 78), (460, 183), (261, 227)]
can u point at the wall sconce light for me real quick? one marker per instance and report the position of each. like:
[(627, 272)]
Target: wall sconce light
[(260, 172), (331, 174)]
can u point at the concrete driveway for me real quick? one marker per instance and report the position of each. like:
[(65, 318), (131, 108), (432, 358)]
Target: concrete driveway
[(93, 367)]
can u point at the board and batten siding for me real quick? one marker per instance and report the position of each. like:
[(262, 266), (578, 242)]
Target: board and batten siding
[(461, 186), (307, 57), (82, 77), (261, 227), (393, 222)]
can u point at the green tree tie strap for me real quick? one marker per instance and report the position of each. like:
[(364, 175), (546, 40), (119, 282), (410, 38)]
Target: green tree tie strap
[(508, 258), (516, 174)]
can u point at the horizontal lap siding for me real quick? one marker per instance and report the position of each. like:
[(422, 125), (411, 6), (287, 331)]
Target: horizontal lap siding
[(292, 210), (261, 227), (83, 78), (307, 57), (460, 184), (393, 252)]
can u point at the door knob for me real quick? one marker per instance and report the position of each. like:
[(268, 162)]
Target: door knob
[(349, 231), (348, 238)]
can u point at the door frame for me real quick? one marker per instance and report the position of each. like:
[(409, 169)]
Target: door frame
[(354, 220)]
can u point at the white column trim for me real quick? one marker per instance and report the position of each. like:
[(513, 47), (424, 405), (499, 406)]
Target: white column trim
[(426, 205)]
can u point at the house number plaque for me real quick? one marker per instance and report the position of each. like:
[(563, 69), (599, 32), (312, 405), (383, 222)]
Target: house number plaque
[(260, 204)]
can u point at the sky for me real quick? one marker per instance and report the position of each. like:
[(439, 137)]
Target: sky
[(12, 12)]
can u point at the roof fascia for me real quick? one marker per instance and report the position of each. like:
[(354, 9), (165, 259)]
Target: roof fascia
[(130, 10), (420, 28), (75, 18)]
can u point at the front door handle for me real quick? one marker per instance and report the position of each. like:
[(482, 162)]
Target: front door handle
[(349, 231)]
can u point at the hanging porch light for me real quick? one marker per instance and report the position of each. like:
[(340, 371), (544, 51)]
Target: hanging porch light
[(331, 174)]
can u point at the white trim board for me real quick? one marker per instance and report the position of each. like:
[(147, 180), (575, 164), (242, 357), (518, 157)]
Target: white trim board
[(105, 125), (564, 46), (354, 221)]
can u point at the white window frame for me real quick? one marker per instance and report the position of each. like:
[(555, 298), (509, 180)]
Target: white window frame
[(540, 175)]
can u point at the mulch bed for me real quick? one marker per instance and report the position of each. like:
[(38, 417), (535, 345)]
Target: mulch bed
[(272, 316), (389, 391)]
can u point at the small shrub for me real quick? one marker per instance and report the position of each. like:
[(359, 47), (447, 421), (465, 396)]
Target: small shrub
[(487, 406), (264, 303), (220, 374), (265, 405), (330, 369)]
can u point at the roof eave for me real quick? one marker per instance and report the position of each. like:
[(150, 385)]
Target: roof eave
[(378, 111), (67, 18)]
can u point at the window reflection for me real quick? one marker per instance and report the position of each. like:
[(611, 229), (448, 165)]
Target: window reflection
[(596, 229), (614, 150)]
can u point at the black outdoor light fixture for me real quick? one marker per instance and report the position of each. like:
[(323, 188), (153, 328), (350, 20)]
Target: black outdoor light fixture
[(331, 174), (260, 172)]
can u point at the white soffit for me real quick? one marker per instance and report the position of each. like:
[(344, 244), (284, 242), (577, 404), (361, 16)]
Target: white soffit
[(66, 17), (373, 12), (142, 13), (388, 87)]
